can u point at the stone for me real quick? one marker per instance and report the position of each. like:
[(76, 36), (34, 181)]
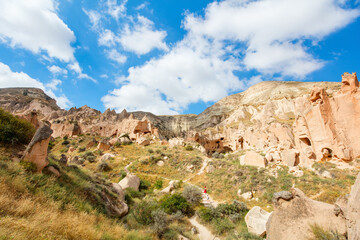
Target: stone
[(294, 215), (290, 157), (173, 142), (349, 82), (53, 170), (160, 163), (169, 188), (103, 145), (353, 211), (91, 144), (143, 141), (256, 220), (71, 149), (252, 158), (36, 151), (247, 195), (130, 181), (107, 156), (103, 167)]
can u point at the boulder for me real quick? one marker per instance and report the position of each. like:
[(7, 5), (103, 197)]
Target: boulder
[(256, 220), (176, 142), (36, 151), (169, 188), (253, 159), (247, 195), (130, 181), (107, 156), (294, 214), (103, 145), (91, 144), (160, 163), (353, 211), (63, 159), (143, 141), (290, 157), (210, 169)]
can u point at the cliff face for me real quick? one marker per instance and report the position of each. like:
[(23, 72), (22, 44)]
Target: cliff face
[(306, 121)]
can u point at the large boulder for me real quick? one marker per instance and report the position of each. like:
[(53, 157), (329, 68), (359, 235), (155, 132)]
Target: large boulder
[(103, 145), (353, 211), (143, 141), (36, 151), (130, 181), (256, 220), (290, 157), (294, 214), (253, 159)]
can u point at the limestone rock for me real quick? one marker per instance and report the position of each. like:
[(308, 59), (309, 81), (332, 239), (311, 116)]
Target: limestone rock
[(107, 156), (256, 220), (253, 159), (290, 157), (36, 151), (130, 181), (353, 211), (176, 142), (91, 144), (103, 145), (160, 163), (294, 217), (143, 141), (210, 169), (247, 195)]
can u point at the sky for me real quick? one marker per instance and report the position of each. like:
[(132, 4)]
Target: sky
[(172, 57)]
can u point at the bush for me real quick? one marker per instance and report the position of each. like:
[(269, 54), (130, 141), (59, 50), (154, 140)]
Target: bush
[(189, 148), (161, 221), (28, 166), (104, 167), (143, 212), (65, 142), (175, 202), (159, 184), (82, 149), (123, 175), (150, 150), (144, 185), (223, 225), (192, 194), (14, 130), (208, 214), (131, 193), (321, 234)]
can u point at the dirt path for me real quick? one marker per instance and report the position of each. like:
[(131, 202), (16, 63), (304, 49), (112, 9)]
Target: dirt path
[(203, 232)]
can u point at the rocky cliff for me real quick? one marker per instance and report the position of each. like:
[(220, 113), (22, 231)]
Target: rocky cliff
[(290, 122)]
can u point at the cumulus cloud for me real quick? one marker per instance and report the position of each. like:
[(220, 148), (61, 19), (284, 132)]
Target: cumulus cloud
[(234, 35), (55, 70), (142, 37), (273, 30), (107, 38), (116, 10), (116, 56), (34, 25), (53, 85), (8, 78)]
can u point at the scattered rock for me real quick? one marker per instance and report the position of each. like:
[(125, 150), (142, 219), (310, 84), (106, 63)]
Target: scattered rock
[(143, 141), (256, 220), (247, 195), (160, 163), (210, 169), (107, 156), (63, 160), (290, 157), (103, 145), (130, 181)]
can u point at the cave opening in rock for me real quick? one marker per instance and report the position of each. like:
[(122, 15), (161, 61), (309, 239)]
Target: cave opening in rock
[(306, 141)]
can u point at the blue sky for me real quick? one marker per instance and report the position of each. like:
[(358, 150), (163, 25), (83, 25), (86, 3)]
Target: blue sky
[(172, 57)]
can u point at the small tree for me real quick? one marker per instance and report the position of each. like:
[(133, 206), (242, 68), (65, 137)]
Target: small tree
[(192, 194)]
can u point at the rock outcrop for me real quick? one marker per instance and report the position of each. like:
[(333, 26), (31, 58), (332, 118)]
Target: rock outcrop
[(36, 151), (353, 211), (252, 158), (294, 214)]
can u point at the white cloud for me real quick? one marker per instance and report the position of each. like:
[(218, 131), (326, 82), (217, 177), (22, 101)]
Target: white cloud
[(107, 38), (57, 70), (142, 38), (94, 17), (234, 35), (269, 29), (116, 56), (53, 85), (8, 78), (142, 6), (75, 67), (34, 25), (116, 10)]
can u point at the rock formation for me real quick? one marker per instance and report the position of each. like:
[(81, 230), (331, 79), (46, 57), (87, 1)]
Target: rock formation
[(256, 220), (130, 181), (353, 211), (36, 151), (294, 214)]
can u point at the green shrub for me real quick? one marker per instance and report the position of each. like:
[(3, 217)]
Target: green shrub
[(208, 214), (150, 150), (143, 212), (189, 148), (81, 149), (161, 221), (192, 194), (28, 166), (223, 225), (159, 184), (65, 142), (122, 175), (14, 130), (321, 234), (175, 202), (144, 185), (131, 193)]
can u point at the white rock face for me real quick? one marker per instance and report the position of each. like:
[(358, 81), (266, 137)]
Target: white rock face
[(247, 195), (107, 156), (256, 220), (252, 158)]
